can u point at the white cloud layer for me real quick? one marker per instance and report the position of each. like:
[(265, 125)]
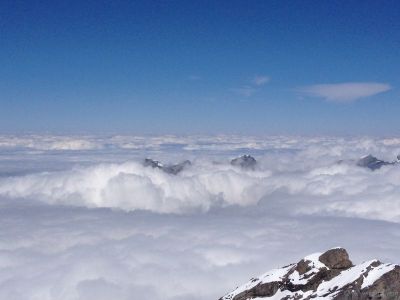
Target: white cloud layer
[(303, 169), (191, 236), (346, 92), (64, 253)]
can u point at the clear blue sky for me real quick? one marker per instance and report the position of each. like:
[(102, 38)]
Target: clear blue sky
[(257, 67)]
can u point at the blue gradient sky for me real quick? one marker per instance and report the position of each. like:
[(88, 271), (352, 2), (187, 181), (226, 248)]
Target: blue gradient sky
[(191, 66)]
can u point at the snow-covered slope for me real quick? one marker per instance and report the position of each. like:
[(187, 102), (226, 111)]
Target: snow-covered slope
[(329, 275)]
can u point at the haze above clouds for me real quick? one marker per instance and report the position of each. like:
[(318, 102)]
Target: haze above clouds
[(81, 217)]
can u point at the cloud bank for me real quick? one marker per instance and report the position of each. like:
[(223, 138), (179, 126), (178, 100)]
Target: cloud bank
[(301, 171), (346, 92)]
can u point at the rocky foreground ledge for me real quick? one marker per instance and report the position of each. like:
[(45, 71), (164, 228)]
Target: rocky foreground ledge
[(329, 275)]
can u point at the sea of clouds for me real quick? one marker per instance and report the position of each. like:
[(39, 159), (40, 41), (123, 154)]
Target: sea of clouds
[(82, 218)]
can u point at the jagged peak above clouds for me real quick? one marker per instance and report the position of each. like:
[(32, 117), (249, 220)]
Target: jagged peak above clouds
[(328, 275), (371, 162), (246, 162), (173, 169)]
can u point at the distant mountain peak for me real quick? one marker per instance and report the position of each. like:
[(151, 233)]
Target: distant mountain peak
[(245, 162), (170, 169), (373, 163), (321, 276)]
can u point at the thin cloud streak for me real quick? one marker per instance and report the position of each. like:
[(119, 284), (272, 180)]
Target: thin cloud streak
[(345, 92), (255, 84), (245, 91)]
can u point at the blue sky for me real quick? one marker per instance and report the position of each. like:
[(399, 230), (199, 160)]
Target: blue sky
[(249, 67)]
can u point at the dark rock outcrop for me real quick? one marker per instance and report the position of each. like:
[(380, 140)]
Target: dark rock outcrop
[(170, 169), (247, 162), (330, 275), (372, 163), (175, 169), (148, 162)]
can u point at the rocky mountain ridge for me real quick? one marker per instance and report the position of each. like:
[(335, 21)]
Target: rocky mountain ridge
[(321, 276), (373, 163)]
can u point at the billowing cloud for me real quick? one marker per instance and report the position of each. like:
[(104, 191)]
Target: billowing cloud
[(346, 92), (131, 186)]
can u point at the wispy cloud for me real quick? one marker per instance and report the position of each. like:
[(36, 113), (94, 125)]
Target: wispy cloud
[(251, 88), (261, 80), (245, 91), (345, 92)]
